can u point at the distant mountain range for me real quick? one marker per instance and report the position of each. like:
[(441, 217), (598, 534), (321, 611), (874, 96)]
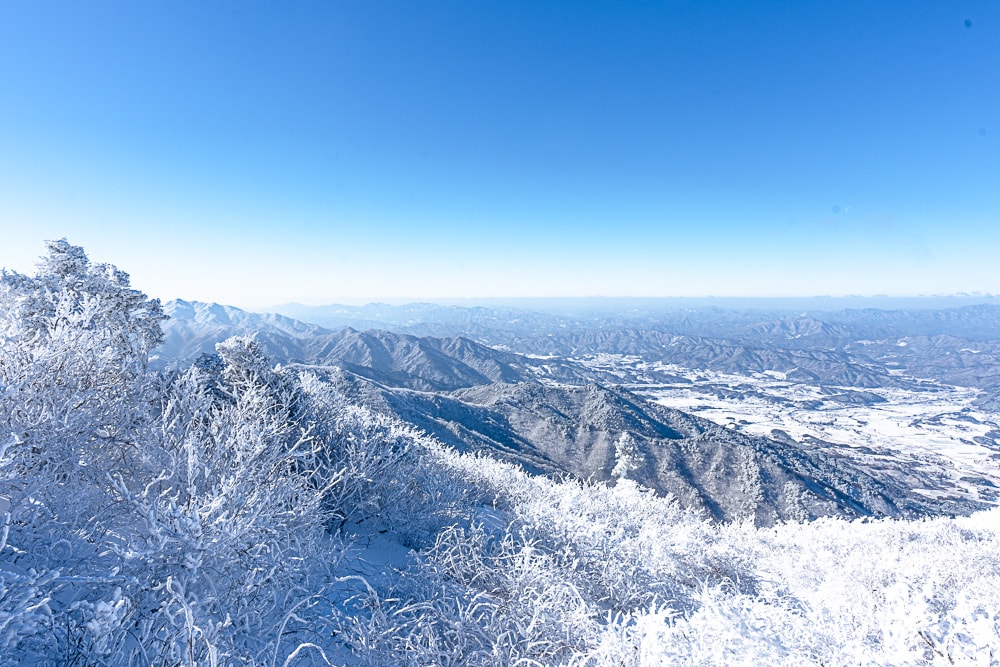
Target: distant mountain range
[(515, 386), (861, 348), (752, 319), (399, 360)]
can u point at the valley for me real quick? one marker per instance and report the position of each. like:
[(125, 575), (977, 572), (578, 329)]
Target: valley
[(936, 431)]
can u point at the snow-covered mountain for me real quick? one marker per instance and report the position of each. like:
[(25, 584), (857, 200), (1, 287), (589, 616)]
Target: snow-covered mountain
[(401, 360), (603, 434), (573, 414), (930, 339)]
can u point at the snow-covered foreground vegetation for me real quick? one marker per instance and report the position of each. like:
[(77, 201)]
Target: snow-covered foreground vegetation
[(240, 513)]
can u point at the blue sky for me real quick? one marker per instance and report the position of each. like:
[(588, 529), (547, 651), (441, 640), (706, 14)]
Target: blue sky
[(255, 153)]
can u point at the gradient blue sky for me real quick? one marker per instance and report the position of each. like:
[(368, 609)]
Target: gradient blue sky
[(254, 153)]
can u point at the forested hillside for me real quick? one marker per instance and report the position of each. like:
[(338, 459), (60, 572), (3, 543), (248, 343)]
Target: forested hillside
[(238, 512)]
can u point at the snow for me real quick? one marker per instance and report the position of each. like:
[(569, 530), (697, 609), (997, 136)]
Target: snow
[(257, 516), (935, 429)]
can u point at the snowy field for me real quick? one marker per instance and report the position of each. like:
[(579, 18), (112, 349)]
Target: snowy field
[(935, 431)]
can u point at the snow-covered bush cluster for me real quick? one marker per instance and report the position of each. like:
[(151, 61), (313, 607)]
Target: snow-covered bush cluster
[(578, 574), (243, 513)]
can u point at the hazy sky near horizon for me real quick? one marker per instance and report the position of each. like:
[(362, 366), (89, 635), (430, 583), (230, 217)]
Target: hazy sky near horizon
[(256, 153)]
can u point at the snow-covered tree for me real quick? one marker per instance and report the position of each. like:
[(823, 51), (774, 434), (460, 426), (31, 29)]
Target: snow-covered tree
[(628, 458), (75, 399), (74, 341)]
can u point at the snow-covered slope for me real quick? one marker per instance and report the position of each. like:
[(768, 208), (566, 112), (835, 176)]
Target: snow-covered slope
[(603, 434)]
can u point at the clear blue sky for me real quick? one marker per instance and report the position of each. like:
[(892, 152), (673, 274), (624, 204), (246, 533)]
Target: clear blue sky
[(255, 153)]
